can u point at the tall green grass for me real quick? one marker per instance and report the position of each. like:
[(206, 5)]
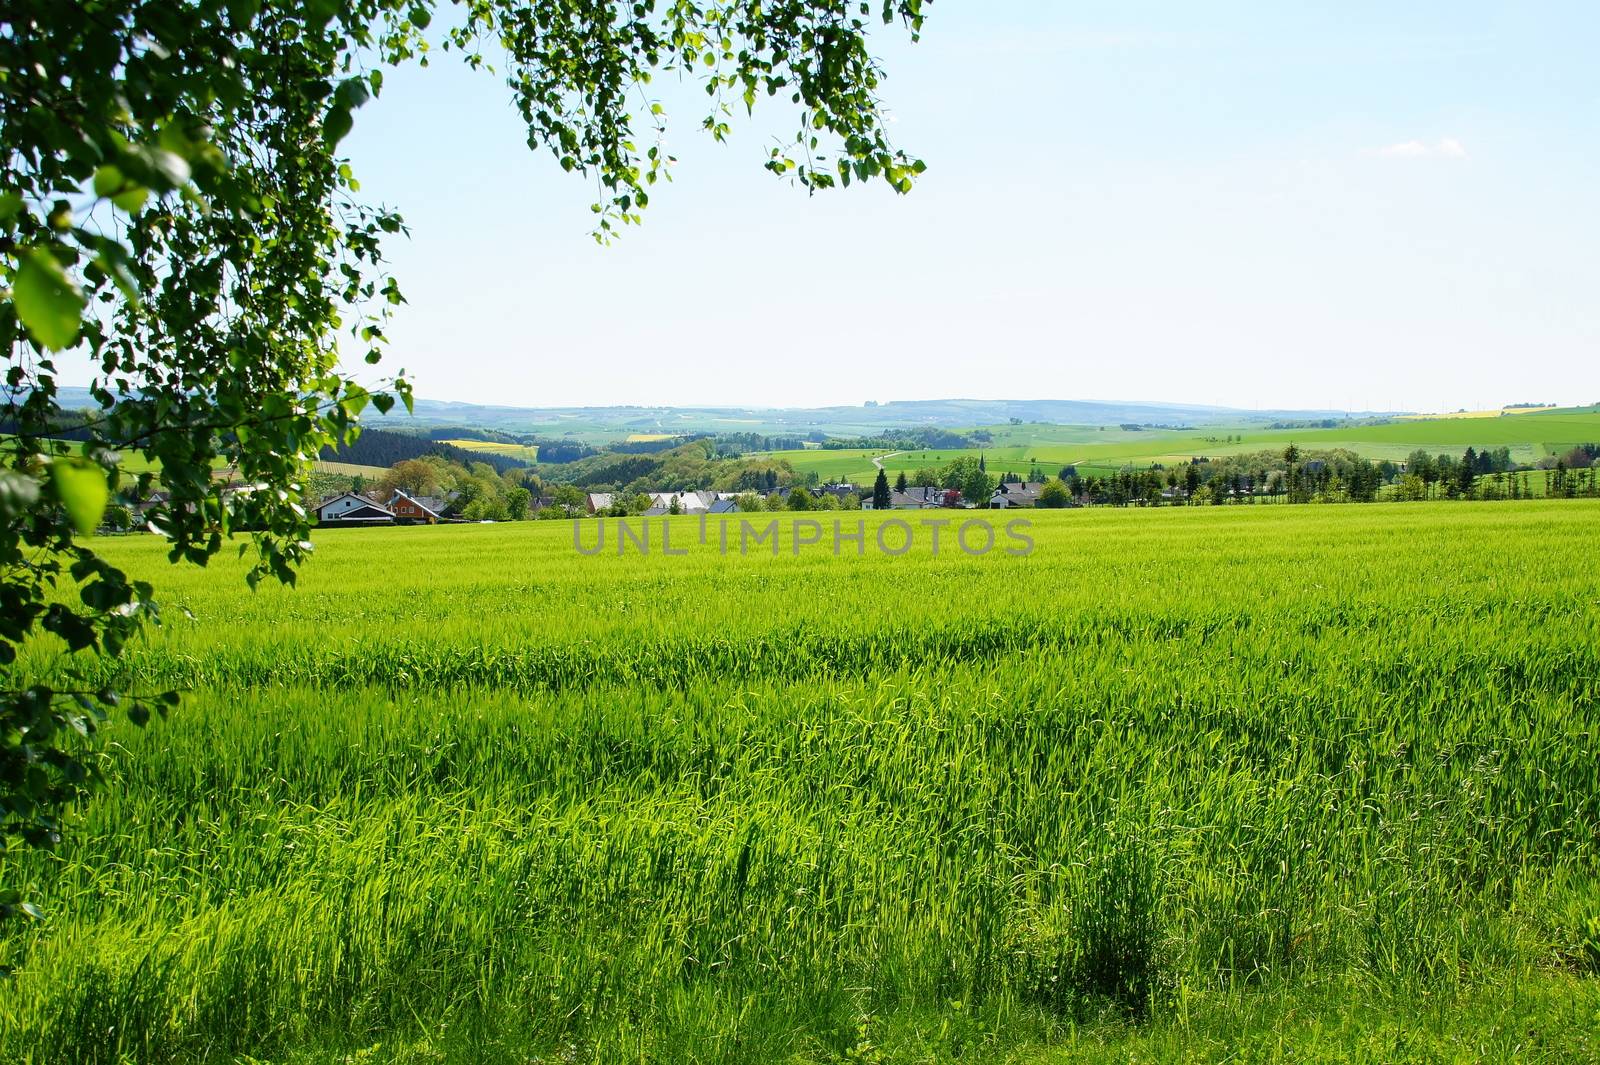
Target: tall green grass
[(1177, 779)]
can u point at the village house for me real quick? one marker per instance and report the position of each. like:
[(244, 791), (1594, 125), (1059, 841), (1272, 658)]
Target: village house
[(910, 499), (688, 502), (141, 510), (1016, 494), (348, 508), (409, 509)]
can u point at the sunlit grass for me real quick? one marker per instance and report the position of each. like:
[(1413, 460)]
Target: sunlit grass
[(1179, 783)]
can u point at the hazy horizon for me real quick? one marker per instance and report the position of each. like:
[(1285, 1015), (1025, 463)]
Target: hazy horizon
[(1363, 208), (70, 396), (1089, 400)]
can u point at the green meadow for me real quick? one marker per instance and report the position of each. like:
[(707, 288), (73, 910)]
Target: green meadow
[(836, 464), (1242, 783), (1015, 448)]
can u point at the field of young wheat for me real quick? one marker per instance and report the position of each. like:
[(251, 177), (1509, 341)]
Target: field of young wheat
[(1177, 784)]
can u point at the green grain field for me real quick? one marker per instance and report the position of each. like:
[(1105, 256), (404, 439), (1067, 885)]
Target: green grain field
[(353, 469), (521, 452), (1254, 783)]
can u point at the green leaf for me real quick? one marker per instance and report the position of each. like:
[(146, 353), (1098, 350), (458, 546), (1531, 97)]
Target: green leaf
[(108, 180), (351, 93), (336, 125), (47, 300), (113, 259), (10, 206), (170, 167), (18, 492), (131, 199), (80, 486)]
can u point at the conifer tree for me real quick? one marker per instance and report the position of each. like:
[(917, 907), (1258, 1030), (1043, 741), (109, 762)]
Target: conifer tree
[(880, 491), (1467, 473)]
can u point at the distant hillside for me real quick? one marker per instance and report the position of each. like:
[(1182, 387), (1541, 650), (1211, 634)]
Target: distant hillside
[(615, 424), (691, 465), (597, 423), (379, 448)]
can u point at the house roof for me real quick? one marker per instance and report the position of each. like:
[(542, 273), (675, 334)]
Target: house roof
[(432, 504), (1020, 491), (723, 506), (919, 494), (688, 502), (914, 498), (361, 501), (366, 513)]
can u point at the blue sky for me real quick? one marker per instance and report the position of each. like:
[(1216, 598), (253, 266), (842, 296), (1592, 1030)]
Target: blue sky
[(1360, 205)]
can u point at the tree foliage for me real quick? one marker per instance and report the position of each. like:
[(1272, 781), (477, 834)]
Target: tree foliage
[(176, 222), (1053, 495)]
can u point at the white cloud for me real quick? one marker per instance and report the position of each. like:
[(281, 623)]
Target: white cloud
[(1443, 148)]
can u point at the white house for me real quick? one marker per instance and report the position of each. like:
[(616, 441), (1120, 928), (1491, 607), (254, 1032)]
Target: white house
[(688, 502), (352, 509)]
